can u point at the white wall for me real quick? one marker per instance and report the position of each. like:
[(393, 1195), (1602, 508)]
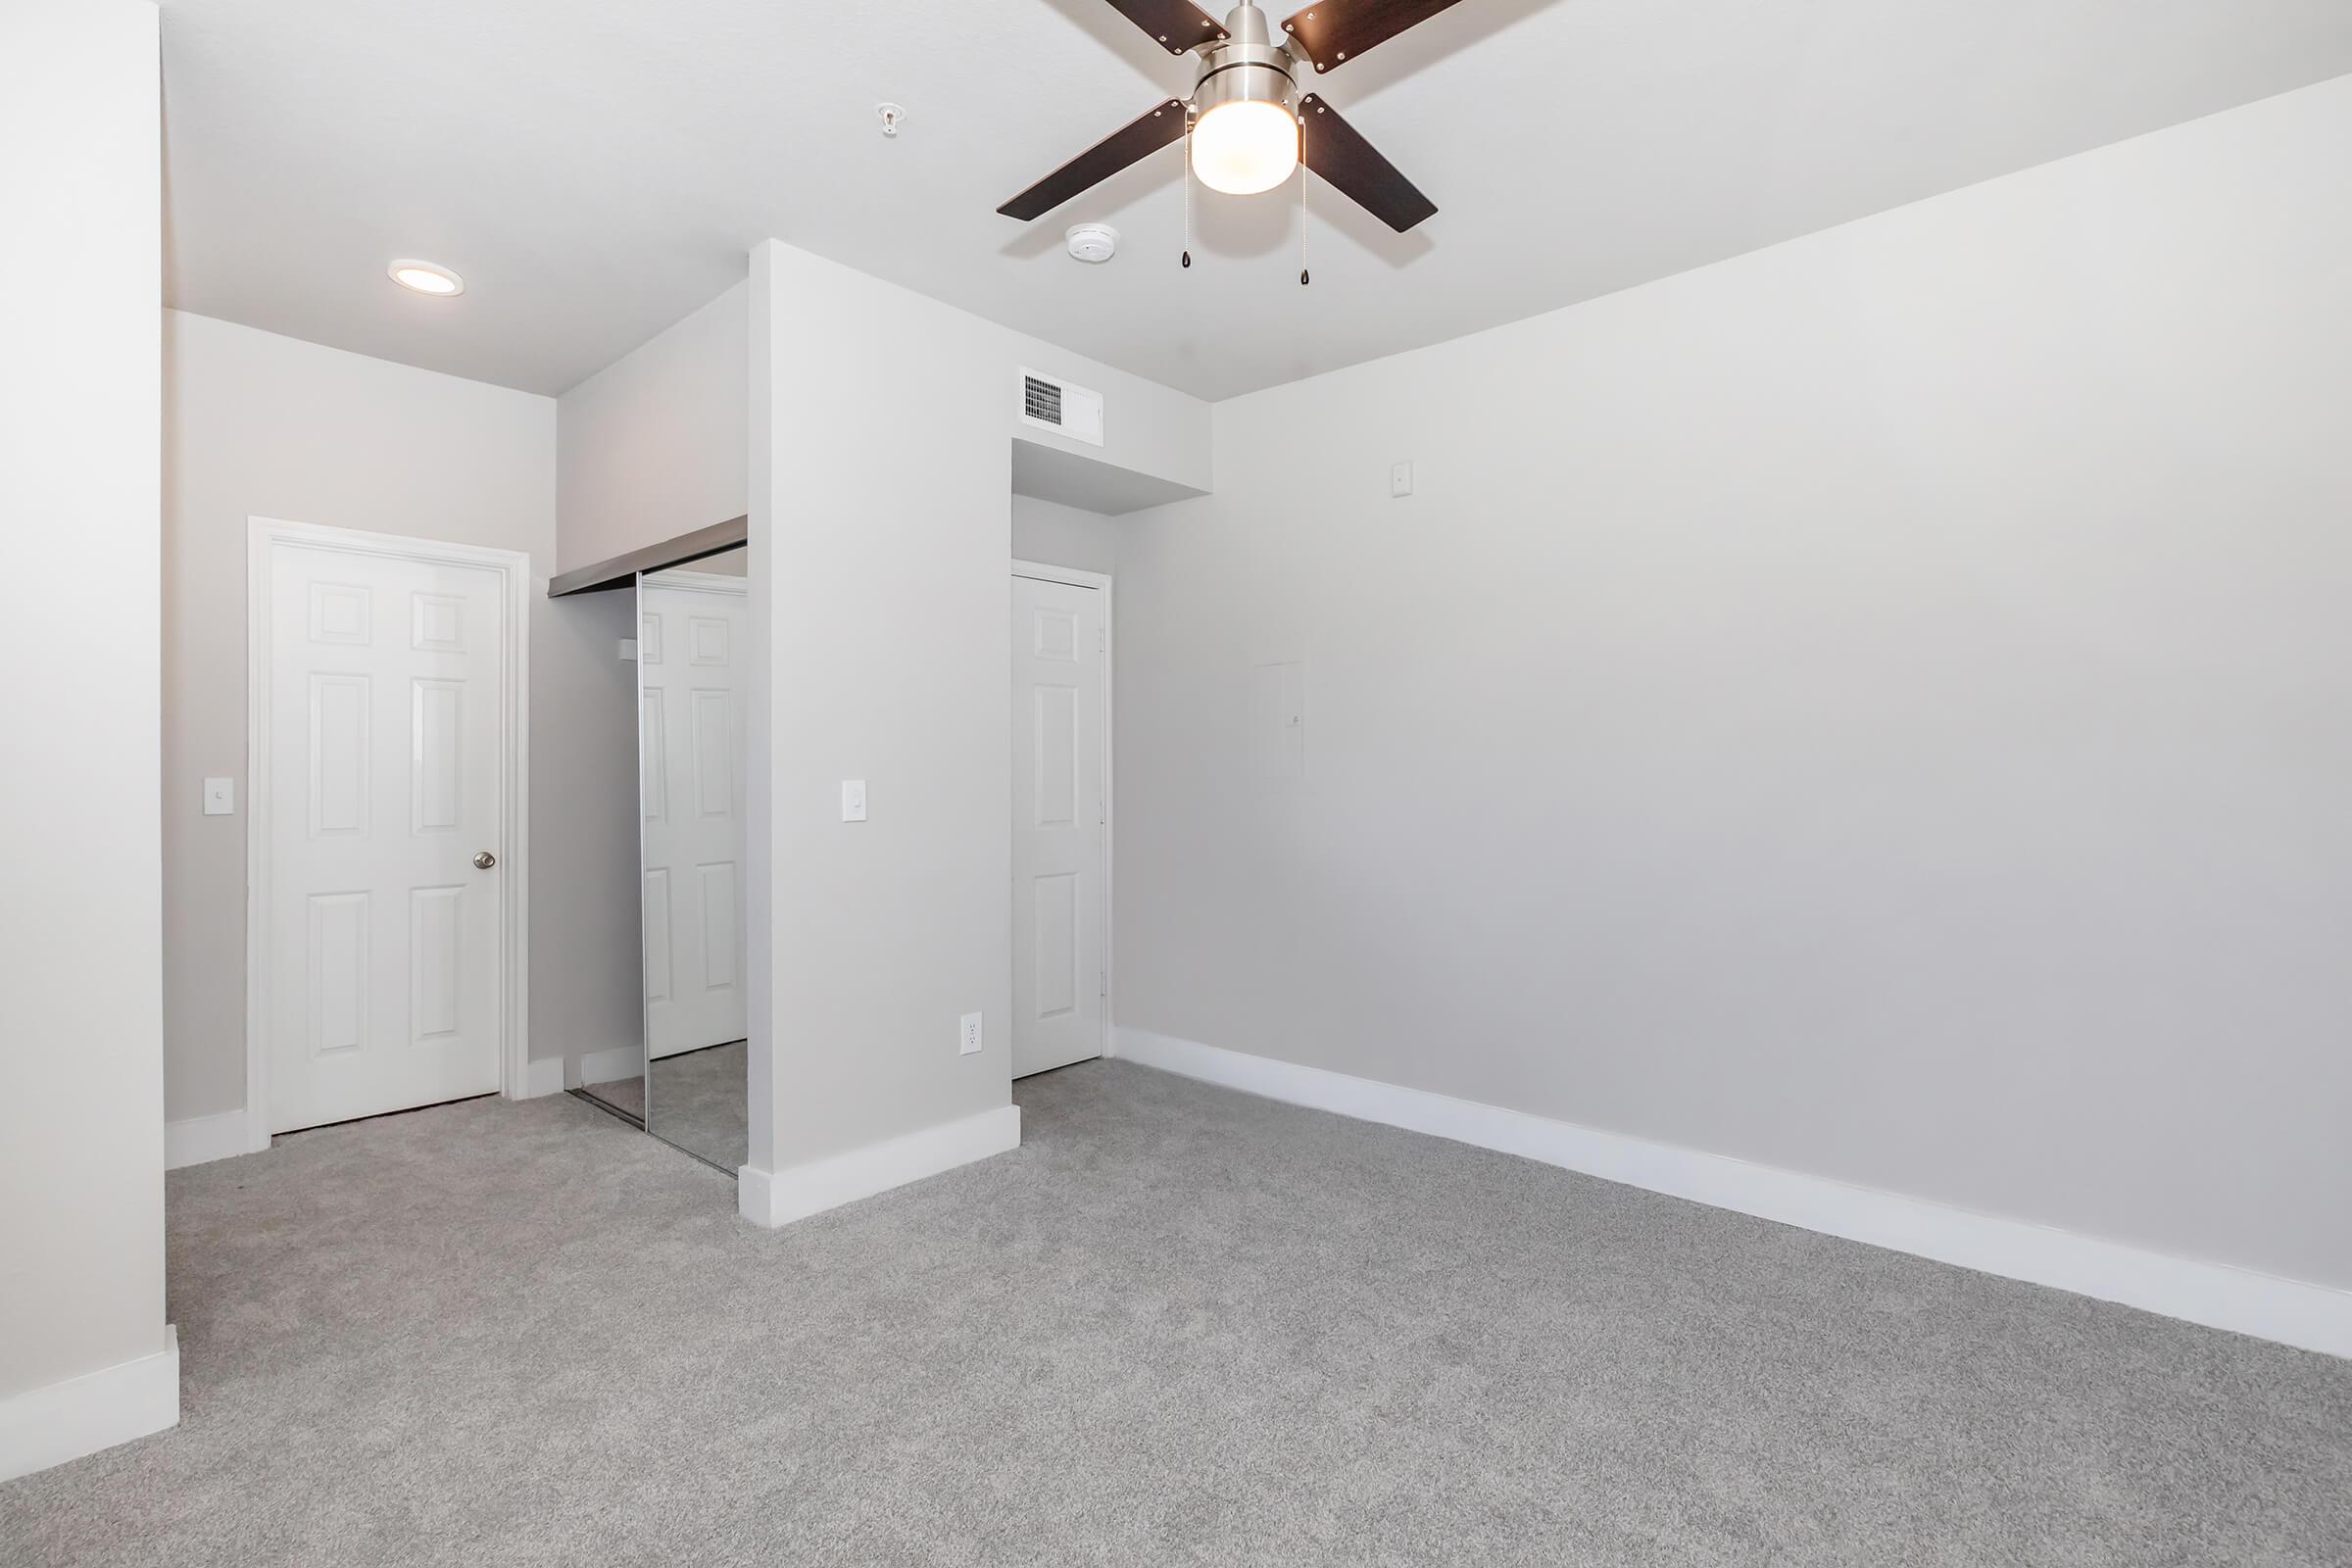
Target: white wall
[(261, 425), (878, 567), (1876, 706), (655, 444), (1056, 535), (82, 1137)]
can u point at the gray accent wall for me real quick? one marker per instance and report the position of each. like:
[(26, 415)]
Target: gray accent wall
[(1881, 707), (261, 425)]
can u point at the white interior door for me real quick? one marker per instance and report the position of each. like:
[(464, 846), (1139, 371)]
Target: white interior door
[(689, 646), (384, 765), (1060, 951)]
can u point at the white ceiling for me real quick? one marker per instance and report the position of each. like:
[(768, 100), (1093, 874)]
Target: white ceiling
[(596, 168)]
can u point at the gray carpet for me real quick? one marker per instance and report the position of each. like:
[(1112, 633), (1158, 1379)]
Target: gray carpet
[(627, 1093), (1177, 1325), (700, 1101)]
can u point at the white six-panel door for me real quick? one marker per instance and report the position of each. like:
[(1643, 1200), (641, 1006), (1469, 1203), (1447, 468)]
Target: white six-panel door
[(691, 778), (1060, 926), (385, 969)]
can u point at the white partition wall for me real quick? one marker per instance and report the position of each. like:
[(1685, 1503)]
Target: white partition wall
[(882, 429), (86, 1358)]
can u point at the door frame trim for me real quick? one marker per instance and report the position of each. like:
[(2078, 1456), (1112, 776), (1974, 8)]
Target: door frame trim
[(1101, 582), (263, 536)]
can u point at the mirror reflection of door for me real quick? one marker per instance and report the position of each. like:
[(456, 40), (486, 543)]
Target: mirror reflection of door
[(691, 643)]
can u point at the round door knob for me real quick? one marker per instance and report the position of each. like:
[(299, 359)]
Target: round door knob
[(484, 861)]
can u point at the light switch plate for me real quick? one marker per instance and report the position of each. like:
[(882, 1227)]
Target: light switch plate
[(853, 800), (1401, 479), (628, 650), (968, 1042), (220, 797)]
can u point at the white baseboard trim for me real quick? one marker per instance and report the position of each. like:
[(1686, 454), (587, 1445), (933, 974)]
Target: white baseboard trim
[(613, 1065), (2313, 1317), (541, 1075), (196, 1139), (778, 1197), (47, 1426)]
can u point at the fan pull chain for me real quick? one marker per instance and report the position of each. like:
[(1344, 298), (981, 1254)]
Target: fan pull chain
[(1302, 211), (1187, 187)]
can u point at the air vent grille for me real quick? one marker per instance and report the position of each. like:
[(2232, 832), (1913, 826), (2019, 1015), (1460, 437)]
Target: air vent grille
[(1065, 407), (1041, 400)]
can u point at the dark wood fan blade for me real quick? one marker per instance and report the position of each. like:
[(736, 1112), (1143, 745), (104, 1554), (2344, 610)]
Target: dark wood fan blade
[(1145, 133), (1337, 151), (1336, 31), (1178, 25)]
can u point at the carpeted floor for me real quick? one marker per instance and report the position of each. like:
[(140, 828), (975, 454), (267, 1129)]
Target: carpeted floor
[(700, 1101), (1178, 1324)]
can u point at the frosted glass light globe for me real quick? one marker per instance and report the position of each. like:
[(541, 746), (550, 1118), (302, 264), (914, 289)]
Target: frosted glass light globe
[(1245, 147)]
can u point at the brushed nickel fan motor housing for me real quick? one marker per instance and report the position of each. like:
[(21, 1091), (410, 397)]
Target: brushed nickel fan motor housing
[(1250, 67)]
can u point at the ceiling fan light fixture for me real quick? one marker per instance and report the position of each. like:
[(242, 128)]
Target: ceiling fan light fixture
[(1245, 125), (1245, 147)]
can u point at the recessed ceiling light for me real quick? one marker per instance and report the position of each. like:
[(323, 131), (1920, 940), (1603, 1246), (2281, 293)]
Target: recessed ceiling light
[(423, 277)]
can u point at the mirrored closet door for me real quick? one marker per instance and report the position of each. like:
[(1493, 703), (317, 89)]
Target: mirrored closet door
[(691, 644)]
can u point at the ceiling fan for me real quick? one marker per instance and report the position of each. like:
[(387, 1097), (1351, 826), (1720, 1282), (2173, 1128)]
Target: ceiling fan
[(1249, 124)]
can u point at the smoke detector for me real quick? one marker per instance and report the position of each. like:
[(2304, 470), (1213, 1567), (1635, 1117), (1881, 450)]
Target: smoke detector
[(1094, 243)]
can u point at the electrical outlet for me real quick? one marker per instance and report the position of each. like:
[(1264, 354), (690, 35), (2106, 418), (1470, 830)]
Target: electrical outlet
[(968, 1041)]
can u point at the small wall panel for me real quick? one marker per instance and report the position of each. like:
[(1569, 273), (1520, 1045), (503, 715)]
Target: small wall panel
[(433, 961), (652, 753), (1278, 720), (436, 771), (657, 935), (338, 755), (710, 641), (718, 924), (1057, 950), (438, 623), (337, 983), (341, 613), (714, 753), (1055, 633), (1054, 736)]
